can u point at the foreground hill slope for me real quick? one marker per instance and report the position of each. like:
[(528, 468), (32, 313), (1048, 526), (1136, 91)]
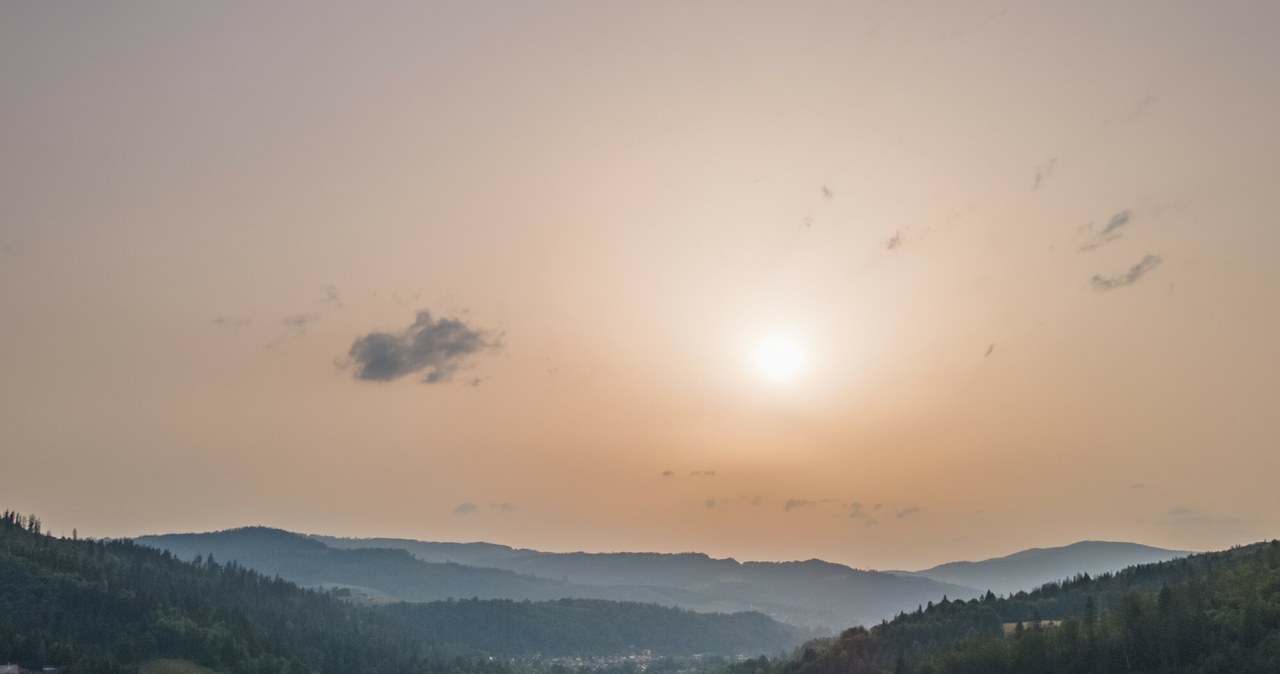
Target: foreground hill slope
[(1213, 612), (811, 593), (1032, 568)]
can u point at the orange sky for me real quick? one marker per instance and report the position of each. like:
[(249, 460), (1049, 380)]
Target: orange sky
[(1028, 254)]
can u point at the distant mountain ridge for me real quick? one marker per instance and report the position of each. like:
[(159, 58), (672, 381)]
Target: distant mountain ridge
[(1029, 569), (811, 594)]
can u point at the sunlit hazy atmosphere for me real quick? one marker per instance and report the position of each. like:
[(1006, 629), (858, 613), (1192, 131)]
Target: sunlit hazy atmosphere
[(884, 283)]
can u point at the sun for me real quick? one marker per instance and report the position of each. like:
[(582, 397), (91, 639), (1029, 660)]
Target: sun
[(779, 358)]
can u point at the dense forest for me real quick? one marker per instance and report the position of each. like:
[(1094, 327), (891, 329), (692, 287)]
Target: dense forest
[(592, 627), (109, 606), (1216, 612)]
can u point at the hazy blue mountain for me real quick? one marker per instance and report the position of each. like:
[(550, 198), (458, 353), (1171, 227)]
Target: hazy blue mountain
[(1029, 569), (812, 593)]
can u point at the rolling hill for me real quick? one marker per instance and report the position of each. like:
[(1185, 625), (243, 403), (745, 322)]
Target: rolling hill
[(813, 593), (1029, 569)]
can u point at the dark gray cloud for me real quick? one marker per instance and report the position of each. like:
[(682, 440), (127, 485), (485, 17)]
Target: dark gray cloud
[(826, 192), (990, 350), (894, 241), (907, 512), (465, 508), (793, 503), (1113, 230), (1128, 278), (438, 347)]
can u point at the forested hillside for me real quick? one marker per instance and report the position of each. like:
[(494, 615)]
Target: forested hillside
[(1215, 612), (590, 627), (108, 606)]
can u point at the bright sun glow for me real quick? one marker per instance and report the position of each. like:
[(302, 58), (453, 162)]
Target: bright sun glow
[(779, 358)]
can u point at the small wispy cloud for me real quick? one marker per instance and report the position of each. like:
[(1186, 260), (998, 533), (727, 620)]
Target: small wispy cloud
[(232, 321), (332, 297), (299, 322), (907, 512), (1128, 278), (709, 503), (438, 347), (894, 241), (668, 473), (857, 511), (1043, 172), (1113, 230), (505, 506), (465, 508), (793, 503)]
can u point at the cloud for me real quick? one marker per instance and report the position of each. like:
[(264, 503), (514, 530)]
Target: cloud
[(465, 508), (1043, 172), (299, 322), (990, 349), (709, 503), (1111, 232), (793, 503), (1128, 278), (826, 192), (230, 322), (907, 512), (702, 473), (504, 507), (856, 511), (331, 296), (668, 473), (894, 241), (871, 522), (437, 346)]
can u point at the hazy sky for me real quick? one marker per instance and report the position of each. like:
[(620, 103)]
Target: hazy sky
[(1023, 258)]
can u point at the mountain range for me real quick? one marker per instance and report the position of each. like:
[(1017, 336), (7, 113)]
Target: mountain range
[(812, 593)]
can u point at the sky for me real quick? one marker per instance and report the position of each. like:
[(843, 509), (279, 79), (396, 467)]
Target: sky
[(884, 283)]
